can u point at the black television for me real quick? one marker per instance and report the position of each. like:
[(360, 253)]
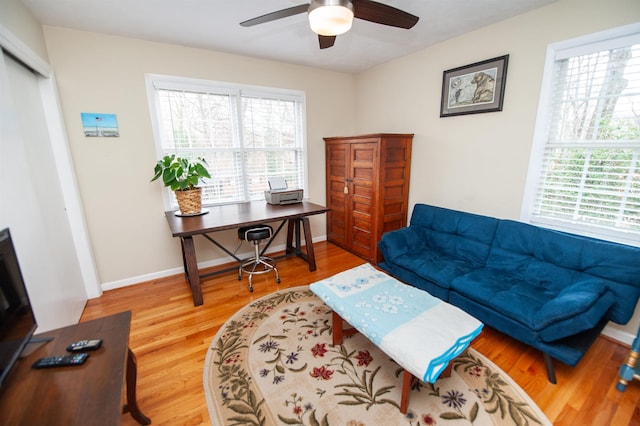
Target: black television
[(17, 322)]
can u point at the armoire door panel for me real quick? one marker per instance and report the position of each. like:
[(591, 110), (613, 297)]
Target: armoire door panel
[(365, 152), (362, 222), (336, 191), (397, 154), (362, 190), (362, 207), (392, 225), (336, 235), (394, 173), (361, 242), (392, 208), (363, 172), (395, 191)]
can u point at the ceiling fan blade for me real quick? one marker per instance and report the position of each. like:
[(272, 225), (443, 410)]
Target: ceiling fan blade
[(379, 13), (326, 41), (279, 14)]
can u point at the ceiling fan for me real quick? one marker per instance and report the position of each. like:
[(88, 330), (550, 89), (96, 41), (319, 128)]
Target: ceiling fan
[(329, 18)]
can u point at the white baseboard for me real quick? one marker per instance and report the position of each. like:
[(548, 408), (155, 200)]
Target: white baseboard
[(619, 335), (174, 271), (179, 270)]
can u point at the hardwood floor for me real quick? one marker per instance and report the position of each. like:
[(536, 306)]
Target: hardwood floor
[(170, 338)]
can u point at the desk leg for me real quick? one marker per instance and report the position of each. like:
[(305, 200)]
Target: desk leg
[(191, 269), (293, 230), (132, 403), (311, 257), (290, 233)]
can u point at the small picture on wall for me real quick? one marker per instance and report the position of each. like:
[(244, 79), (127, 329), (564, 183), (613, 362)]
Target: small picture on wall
[(100, 125), (474, 88)]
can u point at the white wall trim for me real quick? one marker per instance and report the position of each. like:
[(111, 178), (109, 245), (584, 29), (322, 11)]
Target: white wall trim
[(619, 335), (179, 270), (17, 48), (69, 184)]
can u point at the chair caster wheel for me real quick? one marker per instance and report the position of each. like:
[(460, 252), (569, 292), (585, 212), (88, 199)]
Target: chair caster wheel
[(239, 277), (278, 280), (250, 289)]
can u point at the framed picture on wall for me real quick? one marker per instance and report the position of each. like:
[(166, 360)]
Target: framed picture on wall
[(100, 125), (474, 88)]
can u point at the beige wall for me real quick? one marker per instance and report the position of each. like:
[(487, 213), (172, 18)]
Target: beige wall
[(15, 17), (105, 74), (478, 162)]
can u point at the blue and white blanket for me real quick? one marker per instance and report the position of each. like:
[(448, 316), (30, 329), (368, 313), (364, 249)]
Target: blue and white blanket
[(417, 330)]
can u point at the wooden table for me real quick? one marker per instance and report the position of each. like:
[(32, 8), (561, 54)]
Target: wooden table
[(233, 216), (90, 394), (420, 332)]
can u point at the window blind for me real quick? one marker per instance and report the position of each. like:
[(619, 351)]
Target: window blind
[(590, 174), (246, 136)]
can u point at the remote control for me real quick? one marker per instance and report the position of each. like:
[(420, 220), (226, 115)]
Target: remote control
[(60, 361), (84, 345)]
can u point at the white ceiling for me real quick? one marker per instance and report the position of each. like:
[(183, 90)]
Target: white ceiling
[(214, 25)]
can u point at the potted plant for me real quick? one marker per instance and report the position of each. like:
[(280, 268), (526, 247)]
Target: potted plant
[(182, 175)]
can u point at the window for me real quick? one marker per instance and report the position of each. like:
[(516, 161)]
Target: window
[(584, 175), (246, 134)]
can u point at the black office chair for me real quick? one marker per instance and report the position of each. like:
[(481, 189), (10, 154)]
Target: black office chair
[(256, 234)]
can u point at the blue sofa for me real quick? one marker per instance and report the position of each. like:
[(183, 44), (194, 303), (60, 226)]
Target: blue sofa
[(551, 290)]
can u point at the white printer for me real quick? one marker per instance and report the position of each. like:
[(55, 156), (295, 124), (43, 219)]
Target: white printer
[(279, 192)]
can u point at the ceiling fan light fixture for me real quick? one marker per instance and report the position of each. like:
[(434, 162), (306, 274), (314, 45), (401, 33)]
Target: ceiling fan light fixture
[(330, 17)]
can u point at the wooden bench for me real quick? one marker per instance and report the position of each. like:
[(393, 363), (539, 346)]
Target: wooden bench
[(418, 331)]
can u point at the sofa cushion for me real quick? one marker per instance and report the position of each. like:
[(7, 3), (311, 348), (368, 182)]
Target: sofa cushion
[(399, 242), (571, 301), (435, 266), (617, 265), (553, 260), (504, 293), (459, 234), (411, 278), (580, 322), (520, 251), (553, 315)]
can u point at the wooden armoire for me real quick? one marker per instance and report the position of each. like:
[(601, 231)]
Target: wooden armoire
[(367, 189)]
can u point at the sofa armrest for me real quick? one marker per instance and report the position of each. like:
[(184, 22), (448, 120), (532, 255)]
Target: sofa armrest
[(571, 302), (401, 241)]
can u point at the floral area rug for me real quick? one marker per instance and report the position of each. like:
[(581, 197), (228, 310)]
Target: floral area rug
[(273, 363)]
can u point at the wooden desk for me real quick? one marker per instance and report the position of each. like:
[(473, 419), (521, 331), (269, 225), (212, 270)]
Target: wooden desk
[(233, 216), (90, 394)]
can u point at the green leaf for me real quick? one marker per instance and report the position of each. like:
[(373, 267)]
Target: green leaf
[(473, 413), (325, 420), (244, 421), (383, 390), (241, 408), (201, 170), (297, 370), (288, 421), (312, 419), (451, 416)]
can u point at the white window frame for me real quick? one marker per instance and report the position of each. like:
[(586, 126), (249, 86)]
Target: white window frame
[(573, 47), (154, 81)]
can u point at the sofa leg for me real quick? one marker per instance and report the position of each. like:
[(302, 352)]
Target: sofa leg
[(551, 373)]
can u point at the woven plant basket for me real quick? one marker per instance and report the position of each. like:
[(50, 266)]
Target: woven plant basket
[(190, 201)]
